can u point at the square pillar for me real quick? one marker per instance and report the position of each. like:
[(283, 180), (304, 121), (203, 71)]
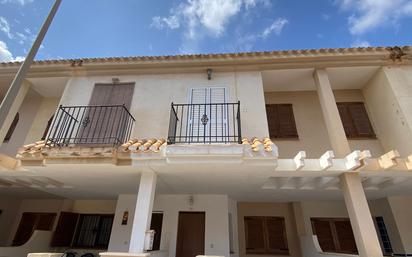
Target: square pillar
[(14, 108), (143, 212), (334, 126), (360, 216)]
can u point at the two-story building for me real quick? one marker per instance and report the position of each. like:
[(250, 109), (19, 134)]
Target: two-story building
[(301, 153)]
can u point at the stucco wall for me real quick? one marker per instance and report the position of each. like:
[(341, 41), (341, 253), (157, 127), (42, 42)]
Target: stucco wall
[(311, 126), (268, 209), (234, 251), (217, 227), (153, 95), (389, 116)]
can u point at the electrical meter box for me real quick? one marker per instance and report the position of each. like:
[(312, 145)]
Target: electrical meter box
[(148, 240)]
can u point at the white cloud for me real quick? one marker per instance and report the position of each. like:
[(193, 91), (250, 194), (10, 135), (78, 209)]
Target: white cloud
[(276, 27), (5, 27), (325, 16), (199, 16), (360, 43), (6, 55), (171, 22), (21, 2), (371, 14)]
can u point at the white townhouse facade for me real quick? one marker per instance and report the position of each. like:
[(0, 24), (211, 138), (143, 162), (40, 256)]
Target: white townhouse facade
[(301, 153)]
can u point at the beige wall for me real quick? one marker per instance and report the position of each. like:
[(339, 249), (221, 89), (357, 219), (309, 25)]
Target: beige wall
[(268, 209), (388, 107), (153, 95), (311, 126)]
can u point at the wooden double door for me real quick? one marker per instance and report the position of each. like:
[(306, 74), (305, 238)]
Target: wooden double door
[(190, 234)]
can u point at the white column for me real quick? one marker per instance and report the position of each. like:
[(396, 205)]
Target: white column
[(336, 132), (14, 108), (360, 216), (143, 211)]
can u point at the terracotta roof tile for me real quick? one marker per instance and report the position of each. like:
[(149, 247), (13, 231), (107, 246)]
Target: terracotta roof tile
[(278, 54)]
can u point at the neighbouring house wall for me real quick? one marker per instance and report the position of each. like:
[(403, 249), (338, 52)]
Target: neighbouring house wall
[(234, 251), (9, 207), (311, 126), (152, 108), (216, 226), (268, 209), (388, 101), (47, 108), (27, 113), (382, 208), (402, 213)]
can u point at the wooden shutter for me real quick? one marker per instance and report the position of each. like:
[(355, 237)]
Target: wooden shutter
[(281, 121), (112, 94), (355, 120), (323, 230), (271, 112), (276, 235), (64, 232), (361, 120), (254, 235), (12, 128), (344, 233)]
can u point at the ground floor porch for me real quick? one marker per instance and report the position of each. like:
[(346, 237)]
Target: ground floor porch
[(212, 224)]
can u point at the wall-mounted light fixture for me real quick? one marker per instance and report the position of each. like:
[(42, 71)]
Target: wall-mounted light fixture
[(209, 74)]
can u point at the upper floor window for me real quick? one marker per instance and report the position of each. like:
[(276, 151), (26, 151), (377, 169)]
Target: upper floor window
[(265, 235), (12, 128), (355, 120), (281, 121)]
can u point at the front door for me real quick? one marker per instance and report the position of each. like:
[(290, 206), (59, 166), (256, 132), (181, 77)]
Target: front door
[(31, 221), (190, 234)]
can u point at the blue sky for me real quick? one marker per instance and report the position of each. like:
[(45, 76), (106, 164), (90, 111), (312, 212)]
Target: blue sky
[(101, 28)]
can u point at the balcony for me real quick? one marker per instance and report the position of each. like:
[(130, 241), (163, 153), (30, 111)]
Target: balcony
[(205, 123), (90, 126)]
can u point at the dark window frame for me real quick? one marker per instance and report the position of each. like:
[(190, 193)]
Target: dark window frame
[(265, 230), (79, 229), (276, 120), (12, 128), (350, 125), (383, 235)]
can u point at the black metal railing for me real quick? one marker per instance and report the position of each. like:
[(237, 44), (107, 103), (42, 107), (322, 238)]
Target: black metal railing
[(205, 123), (91, 126)]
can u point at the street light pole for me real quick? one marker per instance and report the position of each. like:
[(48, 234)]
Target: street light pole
[(24, 68)]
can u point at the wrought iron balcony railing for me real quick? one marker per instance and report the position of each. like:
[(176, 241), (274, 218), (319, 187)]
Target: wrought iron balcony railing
[(109, 125), (205, 123)]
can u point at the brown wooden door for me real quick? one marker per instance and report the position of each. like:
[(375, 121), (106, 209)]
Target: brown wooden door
[(104, 123), (191, 234), (32, 221), (323, 230)]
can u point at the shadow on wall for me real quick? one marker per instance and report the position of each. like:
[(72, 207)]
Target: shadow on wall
[(311, 248), (38, 242)]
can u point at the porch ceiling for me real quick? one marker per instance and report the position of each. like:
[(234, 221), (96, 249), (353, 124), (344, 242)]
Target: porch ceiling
[(302, 79), (241, 182)]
